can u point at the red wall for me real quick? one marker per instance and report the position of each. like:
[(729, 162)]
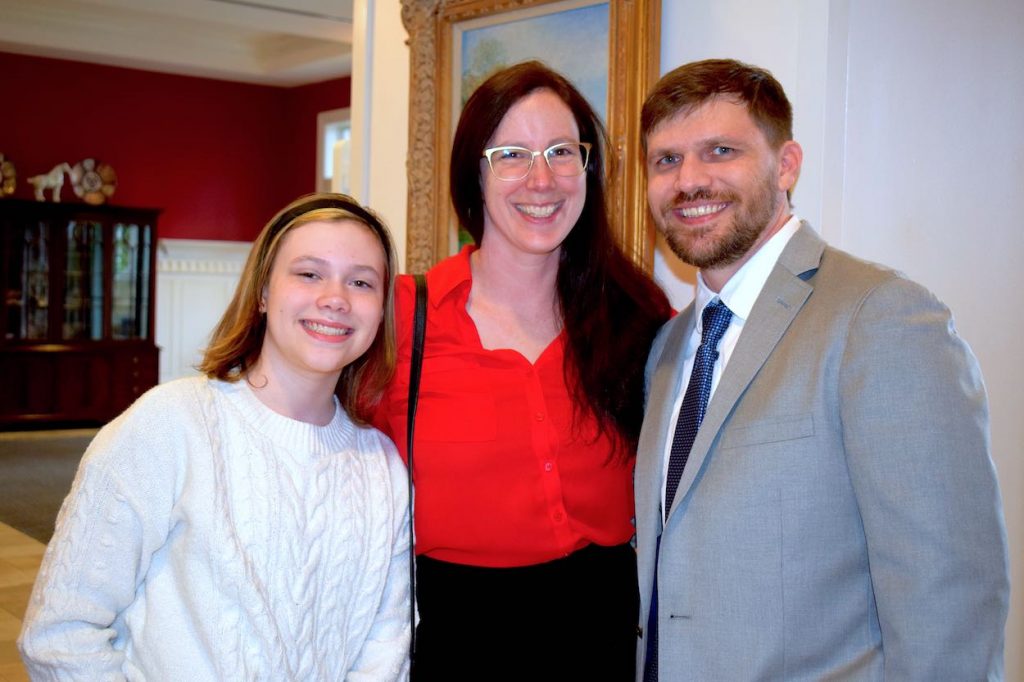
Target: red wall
[(220, 158)]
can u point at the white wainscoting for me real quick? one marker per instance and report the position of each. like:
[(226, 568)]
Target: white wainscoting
[(195, 280)]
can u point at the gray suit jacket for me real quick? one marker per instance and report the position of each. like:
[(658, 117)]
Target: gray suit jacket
[(839, 515)]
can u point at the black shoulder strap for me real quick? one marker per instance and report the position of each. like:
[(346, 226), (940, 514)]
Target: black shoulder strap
[(419, 331)]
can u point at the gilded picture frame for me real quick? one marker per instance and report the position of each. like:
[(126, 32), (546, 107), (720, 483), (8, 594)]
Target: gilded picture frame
[(434, 26)]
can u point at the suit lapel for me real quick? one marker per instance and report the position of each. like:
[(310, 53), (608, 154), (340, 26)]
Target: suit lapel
[(780, 300), (666, 384)]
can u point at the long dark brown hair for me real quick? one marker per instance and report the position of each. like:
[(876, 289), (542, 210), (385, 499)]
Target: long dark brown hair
[(611, 309)]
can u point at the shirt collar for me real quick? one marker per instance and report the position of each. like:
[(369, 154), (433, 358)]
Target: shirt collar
[(743, 288), (448, 275)]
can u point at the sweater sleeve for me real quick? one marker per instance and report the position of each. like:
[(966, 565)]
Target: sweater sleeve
[(115, 516), (385, 653)]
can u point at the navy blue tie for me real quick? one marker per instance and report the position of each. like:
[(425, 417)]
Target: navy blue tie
[(715, 320)]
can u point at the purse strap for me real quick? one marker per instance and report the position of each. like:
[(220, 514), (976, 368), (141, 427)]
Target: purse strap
[(419, 331)]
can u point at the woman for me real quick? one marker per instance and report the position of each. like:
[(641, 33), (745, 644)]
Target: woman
[(244, 524), (530, 401)]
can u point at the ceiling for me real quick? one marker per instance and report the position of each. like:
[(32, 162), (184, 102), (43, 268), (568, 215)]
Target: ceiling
[(270, 42)]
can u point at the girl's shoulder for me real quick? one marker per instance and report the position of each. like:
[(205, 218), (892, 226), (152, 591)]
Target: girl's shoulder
[(149, 438), (165, 411), (175, 391)]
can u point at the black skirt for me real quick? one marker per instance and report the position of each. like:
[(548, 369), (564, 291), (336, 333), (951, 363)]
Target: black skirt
[(570, 619)]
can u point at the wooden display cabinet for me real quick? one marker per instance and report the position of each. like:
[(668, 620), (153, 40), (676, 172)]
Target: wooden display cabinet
[(77, 315)]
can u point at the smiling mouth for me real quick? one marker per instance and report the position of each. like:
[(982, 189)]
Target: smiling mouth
[(700, 211), (538, 210), (326, 330)]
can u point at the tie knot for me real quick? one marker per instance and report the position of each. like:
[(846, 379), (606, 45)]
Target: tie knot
[(715, 321)]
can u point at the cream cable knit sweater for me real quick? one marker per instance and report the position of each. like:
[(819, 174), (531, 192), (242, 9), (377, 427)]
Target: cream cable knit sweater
[(209, 538)]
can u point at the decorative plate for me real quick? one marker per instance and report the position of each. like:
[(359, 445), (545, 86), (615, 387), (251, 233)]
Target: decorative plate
[(93, 182), (8, 176)]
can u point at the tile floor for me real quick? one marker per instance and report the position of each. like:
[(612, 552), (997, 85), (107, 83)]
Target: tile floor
[(20, 556)]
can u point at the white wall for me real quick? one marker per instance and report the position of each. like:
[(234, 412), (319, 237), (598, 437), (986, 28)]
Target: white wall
[(380, 113), (195, 280), (909, 113)]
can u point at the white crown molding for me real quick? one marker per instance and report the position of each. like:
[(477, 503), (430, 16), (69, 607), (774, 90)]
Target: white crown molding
[(201, 256)]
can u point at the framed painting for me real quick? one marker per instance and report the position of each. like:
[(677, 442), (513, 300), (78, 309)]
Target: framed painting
[(609, 49)]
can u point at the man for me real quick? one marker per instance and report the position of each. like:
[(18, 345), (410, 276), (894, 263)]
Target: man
[(836, 514)]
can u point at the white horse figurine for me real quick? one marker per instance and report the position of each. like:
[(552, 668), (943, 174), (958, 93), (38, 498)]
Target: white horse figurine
[(54, 181)]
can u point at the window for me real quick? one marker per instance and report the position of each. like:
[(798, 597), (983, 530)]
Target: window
[(333, 132)]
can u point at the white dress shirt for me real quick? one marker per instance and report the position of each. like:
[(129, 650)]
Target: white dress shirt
[(739, 294)]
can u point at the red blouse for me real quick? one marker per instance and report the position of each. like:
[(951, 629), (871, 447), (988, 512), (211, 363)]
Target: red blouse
[(503, 475)]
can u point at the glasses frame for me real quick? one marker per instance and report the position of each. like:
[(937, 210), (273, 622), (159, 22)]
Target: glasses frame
[(533, 156)]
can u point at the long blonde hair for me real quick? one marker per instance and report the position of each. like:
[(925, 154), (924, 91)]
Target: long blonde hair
[(237, 340)]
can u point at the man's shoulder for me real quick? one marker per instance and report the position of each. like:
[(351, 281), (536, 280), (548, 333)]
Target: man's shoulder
[(831, 271), (846, 288), (843, 273), (845, 263), (811, 258)]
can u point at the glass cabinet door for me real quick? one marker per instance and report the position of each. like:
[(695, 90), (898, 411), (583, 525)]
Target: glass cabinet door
[(129, 310), (75, 274), (27, 289), (83, 282)]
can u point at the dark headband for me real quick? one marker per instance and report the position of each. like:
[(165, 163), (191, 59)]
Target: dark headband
[(341, 201)]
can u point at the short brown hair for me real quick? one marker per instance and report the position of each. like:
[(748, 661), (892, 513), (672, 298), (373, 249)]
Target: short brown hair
[(689, 86), (237, 340)]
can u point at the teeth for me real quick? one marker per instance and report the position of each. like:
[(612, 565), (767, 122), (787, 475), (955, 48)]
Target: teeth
[(703, 210), (325, 330), (537, 211)]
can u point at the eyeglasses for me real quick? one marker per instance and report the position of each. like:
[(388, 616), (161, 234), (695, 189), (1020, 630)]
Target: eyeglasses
[(565, 159)]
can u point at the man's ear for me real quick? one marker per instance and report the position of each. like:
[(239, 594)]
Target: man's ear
[(791, 156)]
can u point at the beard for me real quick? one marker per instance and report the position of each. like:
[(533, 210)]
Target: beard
[(705, 249)]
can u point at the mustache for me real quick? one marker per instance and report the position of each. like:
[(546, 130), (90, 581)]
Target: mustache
[(700, 194)]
